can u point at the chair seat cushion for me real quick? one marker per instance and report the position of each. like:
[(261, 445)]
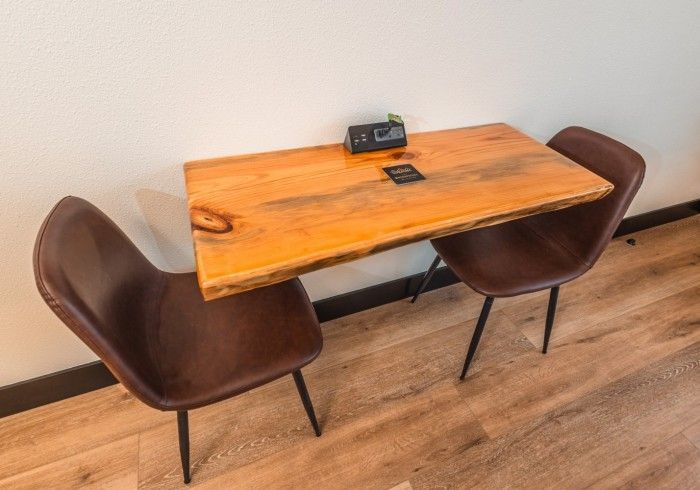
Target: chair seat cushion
[(508, 259), (209, 351)]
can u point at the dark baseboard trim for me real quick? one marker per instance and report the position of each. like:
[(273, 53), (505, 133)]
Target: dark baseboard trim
[(379, 294), (53, 387), (640, 222)]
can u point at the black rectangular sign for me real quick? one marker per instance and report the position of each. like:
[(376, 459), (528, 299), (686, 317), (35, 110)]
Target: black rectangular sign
[(403, 174)]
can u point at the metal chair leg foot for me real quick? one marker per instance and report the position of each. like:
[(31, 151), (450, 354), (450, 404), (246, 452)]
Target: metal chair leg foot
[(306, 401), (480, 324)]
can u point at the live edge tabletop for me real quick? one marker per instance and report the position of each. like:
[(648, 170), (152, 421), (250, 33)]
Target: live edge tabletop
[(262, 218)]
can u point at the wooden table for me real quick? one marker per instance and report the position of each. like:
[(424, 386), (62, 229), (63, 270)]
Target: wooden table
[(263, 218)]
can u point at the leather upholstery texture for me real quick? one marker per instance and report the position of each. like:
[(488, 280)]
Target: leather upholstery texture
[(549, 249), (152, 328)]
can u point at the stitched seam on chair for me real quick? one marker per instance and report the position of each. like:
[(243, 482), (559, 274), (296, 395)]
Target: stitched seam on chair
[(155, 353), (558, 243), (552, 240), (51, 301)]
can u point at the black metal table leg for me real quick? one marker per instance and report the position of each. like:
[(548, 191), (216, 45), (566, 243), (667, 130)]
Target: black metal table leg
[(426, 278)]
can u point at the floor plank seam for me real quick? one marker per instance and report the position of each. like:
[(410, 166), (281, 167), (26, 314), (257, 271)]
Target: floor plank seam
[(654, 447), (555, 340)]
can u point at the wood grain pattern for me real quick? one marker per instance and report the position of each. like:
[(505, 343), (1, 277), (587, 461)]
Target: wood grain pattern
[(112, 466), (113, 410), (263, 218), (406, 485), (675, 463), (608, 406), (692, 433), (577, 441), (372, 451), (507, 395)]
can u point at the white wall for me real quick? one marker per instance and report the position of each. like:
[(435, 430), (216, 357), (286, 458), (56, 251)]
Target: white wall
[(105, 100)]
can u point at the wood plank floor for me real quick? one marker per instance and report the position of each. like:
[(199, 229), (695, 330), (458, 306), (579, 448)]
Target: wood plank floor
[(615, 403)]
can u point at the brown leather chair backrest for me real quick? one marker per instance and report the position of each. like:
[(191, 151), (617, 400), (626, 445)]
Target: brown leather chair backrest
[(586, 229), (96, 280)]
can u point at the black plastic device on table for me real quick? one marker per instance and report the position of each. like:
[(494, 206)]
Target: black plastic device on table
[(376, 136)]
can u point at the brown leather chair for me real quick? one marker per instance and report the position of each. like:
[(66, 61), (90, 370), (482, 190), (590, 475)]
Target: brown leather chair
[(546, 250), (153, 330)]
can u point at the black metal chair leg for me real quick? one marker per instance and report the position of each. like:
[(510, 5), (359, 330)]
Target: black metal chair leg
[(426, 278), (477, 334), (551, 310), (183, 432), (304, 394)]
